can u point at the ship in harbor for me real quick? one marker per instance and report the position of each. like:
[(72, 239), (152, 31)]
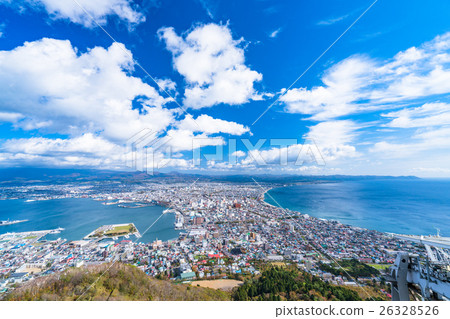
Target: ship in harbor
[(11, 222)]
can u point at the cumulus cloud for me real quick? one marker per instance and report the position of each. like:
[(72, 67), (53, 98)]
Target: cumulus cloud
[(89, 150), (333, 132), (189, 134), (94, 100), (209, 125), (100, 10), (53, 86), (85, 150), (187, 140), (167, 85), (212, 63), (87, 144), (334, 139)]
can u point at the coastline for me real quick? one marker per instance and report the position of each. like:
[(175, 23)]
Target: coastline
[(88, 207), (387, 211), (264, 197), (356, 227)]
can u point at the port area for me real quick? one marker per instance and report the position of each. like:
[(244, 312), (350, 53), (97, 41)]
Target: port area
[(20, 240), (113, 231), (179, 219)]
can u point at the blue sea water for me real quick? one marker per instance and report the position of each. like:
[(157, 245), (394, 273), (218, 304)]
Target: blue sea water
[(406, 206), (80, 216)]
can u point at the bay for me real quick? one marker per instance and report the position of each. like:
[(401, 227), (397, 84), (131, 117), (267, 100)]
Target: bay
[(80, 216), (405, 206)]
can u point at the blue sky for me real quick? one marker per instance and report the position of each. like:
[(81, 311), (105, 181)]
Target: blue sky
[(377, 102)]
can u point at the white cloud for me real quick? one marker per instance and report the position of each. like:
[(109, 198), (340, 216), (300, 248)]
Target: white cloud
[(344, 85), (213, 66), (167, 85), (87, 143), (333, 132), (89, 150), (360, 84), (85, 150), (57, 88), (334, 139), (238, 154), (210, 6), (423, 143), (331, 21), (100, 10), (427, 115), (94, 100), (433, 170), (10, 117), (419, 132), (207, 124), (275, 33), (435, 138), (191, 133), (2, 29), (186, 140)]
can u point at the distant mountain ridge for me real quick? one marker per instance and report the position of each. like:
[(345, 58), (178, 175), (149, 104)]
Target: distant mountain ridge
[(63, 175)]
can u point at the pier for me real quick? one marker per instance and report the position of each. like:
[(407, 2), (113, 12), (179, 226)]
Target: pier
[(114, 231)]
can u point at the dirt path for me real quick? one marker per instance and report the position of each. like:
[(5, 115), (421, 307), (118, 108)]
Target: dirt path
[(222, 284)]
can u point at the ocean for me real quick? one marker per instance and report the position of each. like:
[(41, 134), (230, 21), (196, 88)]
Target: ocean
[(404, 206), (80, 216)]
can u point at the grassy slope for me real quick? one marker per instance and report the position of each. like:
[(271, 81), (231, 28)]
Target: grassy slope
[(121, 282)]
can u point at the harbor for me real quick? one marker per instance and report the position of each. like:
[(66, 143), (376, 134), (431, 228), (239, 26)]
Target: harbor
[(114, 231), (80, 216)]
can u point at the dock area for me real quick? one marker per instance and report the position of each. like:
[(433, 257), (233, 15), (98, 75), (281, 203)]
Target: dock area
[(115, 230)]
